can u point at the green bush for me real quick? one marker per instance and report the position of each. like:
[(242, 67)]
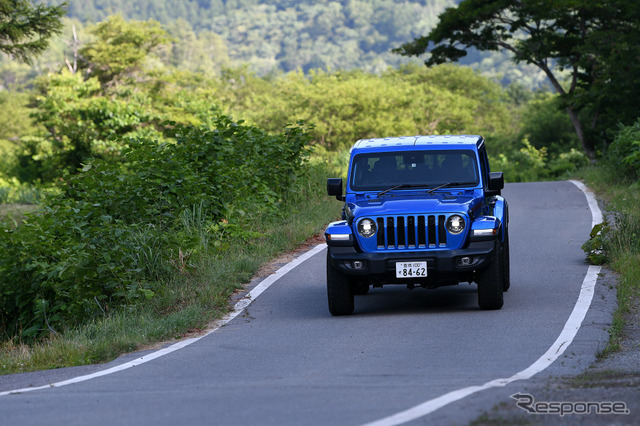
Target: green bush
[(545, 123), (12, 191), (526, 164), (531, 164), (594, 247), (349, 105), (119, 228), (567, 162), (624, 152)]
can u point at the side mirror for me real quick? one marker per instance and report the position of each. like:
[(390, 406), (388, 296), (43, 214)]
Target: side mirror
[(334, 187), (496, 183)]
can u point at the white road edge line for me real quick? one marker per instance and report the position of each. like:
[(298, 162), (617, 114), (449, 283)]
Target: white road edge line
[(563, 341), (238, 308)]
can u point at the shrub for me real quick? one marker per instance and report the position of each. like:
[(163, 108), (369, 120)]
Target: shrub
[(624, 152), (531, 164), (567, 162), (119, 228), (12, 191), (613, 239), (526, 164)]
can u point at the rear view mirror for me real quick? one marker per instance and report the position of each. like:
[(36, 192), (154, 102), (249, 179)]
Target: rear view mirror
[(334, 188), (496, 183)]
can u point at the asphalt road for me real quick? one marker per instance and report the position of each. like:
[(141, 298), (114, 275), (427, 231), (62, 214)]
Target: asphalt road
[(285, 360)]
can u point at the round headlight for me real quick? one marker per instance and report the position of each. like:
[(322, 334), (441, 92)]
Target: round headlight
[(367, 228), (455, 224)]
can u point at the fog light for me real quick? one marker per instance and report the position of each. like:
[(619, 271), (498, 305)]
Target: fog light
[(357, 264), (466, 261)]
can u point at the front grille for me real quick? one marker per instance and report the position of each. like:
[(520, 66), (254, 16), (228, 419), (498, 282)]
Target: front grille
[(411, 232)]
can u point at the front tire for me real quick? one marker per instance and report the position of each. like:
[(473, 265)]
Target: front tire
[(339, 291), (491, 284), (506, 272)]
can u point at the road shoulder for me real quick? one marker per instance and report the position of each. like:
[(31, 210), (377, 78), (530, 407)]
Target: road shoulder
[(584, 377)]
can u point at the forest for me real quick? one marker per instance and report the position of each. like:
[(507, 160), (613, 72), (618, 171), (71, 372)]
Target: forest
[(289, 35), (283, 36), (143, 148)]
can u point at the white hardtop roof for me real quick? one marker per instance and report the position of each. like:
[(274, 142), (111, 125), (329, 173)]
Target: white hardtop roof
[(406, 141)]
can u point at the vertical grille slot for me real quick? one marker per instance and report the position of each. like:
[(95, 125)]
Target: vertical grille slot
[(411, 231), (422, 236), (381, 233), (432, 231), (402, 241), (442, 232), (391, 234)]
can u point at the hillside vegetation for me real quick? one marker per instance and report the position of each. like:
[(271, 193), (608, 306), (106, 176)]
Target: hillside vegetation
[(270, 37), (287, 35)]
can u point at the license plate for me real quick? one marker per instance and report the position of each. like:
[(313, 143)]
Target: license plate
[(411, 269)]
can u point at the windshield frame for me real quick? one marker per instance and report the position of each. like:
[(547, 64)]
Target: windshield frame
[(364, 178)]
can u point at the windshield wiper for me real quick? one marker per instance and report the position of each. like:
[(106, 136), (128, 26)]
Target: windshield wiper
[(444, 185), (420, 185), (402, 185)]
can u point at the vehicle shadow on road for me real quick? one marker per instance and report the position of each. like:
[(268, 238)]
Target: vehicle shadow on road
[(393, 300)]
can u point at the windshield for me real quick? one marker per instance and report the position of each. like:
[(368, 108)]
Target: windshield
[(382, 170)]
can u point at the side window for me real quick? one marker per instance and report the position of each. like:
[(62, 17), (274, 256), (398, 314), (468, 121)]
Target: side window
[(484, 165)]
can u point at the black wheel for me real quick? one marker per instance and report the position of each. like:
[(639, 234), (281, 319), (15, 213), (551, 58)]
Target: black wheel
[(506, 272), (360, 288), (339, 291), (491, 284)]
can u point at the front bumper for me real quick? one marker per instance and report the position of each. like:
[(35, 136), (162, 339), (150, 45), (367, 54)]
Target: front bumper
[(445, 266)]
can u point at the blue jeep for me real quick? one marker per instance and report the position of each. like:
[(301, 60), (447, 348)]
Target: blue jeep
[(419, 210)]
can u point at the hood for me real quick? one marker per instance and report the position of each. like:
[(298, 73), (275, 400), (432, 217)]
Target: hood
[(465, 202)]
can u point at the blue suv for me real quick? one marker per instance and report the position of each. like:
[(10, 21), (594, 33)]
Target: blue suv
[(419, 210)]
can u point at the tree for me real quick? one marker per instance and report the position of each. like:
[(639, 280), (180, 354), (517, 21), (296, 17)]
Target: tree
[(86, 114), (25, 27), (609, 95), (120, 48), (576, 36)]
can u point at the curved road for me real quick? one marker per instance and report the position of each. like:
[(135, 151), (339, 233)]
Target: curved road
[(285, 360)]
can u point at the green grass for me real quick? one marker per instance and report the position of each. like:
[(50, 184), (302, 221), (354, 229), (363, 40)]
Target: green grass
[(621, 242), (15, 212), (13, 192), (197, 295), (603, 378), (497, 416)]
